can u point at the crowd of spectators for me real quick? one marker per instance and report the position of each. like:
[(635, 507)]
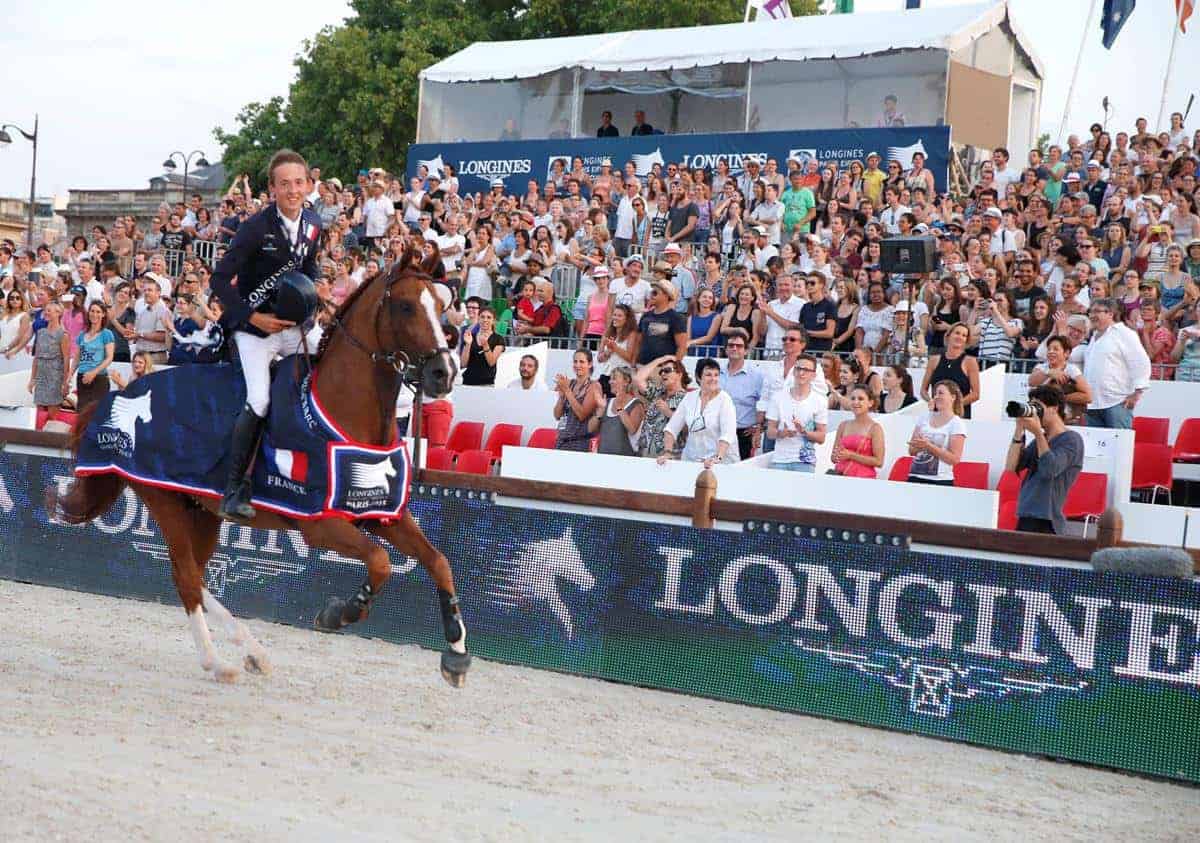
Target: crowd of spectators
[(1080, 266)]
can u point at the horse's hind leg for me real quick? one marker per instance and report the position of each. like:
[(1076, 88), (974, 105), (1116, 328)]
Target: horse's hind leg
[(405, 535), (172, 513), (205, 532)]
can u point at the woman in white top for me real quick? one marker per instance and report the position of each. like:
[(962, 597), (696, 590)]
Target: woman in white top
[(937, 440), (875, 320), (1060, 371), (15, 327), (481, 263), (710, 419)]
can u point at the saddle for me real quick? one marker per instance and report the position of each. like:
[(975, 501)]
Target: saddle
[(172, 429)]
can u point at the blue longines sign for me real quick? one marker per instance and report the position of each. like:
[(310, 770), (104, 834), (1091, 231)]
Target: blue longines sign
[(1101, 668), (516, 162)]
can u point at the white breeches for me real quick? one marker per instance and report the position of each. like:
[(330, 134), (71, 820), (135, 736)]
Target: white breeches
[(256, 354)]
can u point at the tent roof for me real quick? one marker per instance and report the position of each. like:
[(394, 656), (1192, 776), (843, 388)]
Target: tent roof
[(812, 37)]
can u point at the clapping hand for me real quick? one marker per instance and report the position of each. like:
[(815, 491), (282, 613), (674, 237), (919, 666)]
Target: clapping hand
[(918, 442), (561, 383)]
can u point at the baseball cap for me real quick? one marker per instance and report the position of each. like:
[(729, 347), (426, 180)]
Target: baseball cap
[(1072, 176), (1153, 197), (994, 212), (956, 221), (1093, 163), (758, 229), (632, 259), (433, 177), (901, 306), (920, 228), (600, 272), (672, 249), (336, 182), (872, 154), (497, 182)]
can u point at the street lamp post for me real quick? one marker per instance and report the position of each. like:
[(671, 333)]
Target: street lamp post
[(169, 165), (6, 138)]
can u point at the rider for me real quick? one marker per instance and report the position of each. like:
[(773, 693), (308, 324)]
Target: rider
[(283, 236)]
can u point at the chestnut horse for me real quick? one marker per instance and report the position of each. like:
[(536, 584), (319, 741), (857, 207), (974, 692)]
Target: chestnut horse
[(386, 333)]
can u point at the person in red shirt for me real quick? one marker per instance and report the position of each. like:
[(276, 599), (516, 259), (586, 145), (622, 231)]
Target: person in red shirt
[(548, 320)]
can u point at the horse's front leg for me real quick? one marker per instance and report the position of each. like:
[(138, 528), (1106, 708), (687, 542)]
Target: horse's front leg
[(346, 539), (405, 535)]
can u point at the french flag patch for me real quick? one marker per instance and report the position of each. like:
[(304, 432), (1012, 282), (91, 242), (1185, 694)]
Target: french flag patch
[(290, 464), (310, 232)]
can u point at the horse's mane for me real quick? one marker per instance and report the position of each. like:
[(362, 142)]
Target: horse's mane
[(406, 263)]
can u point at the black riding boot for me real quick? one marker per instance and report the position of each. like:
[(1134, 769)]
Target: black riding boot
[(235, 506)]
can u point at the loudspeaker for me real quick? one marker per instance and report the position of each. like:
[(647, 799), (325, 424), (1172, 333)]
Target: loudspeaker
[(909, 255)]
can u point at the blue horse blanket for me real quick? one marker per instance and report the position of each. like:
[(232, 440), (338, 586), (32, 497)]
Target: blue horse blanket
[(172, 428)]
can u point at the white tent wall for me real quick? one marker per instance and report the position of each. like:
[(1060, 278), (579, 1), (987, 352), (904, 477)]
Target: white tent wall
[(812, 72), (844, 92)]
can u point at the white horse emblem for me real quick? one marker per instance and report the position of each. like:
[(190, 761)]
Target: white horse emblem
[(904, 154), (372, 475), (539, 566), (644, 164), (127, 412)]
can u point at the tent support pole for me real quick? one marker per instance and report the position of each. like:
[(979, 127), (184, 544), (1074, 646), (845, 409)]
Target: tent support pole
[(420, 97), (1087, 31), (1162, 106), (576, 105), (749, 80)]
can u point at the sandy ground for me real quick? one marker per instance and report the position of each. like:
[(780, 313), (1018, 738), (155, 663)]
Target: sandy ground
[(109, 730)]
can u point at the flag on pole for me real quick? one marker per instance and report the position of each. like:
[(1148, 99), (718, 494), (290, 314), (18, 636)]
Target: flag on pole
[(912, 4), (1116, 12), (769, 9), (1183, 11)]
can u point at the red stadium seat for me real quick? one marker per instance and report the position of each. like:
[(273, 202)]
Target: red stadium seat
[(1152, 469), (971, 475), (439, 459), (1151, 429), (1187, 442), (67, 417), (501, 435), (900, 469), (1088, 498), (465, 436), (474, 462), (1007, 518), (1009, 487), (543, 437)]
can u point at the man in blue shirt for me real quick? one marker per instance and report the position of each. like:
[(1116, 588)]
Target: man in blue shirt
[(745, 387)]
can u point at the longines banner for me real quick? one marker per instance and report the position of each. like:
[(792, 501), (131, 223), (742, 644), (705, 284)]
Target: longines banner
[(1099, 668), (516, 162)]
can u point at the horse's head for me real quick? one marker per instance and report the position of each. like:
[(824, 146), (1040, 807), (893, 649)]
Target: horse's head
[(397, 321)]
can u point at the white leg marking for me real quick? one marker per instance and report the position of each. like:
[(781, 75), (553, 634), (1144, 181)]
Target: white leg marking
[(256, 660), (204, 645), (460, 646)]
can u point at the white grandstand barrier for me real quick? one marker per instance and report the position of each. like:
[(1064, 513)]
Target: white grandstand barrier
[(205, 250), (1155, 523), (1192, 534), (752, 484)]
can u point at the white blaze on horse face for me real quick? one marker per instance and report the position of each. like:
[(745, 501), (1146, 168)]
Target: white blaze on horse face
[(431, 312)]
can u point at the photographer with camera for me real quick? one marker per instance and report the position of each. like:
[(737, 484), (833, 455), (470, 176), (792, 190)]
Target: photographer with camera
[(1053, 459)]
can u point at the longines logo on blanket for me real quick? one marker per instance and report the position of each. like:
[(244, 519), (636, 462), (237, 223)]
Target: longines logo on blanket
[(119, 433), (368, 481)]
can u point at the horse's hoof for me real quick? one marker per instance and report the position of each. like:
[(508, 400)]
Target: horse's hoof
[(329, 619), (257, 663), (226, 674), (455, 667)]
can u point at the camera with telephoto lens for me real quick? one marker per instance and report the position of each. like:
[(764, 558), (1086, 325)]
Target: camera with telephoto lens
[(1024, 410)]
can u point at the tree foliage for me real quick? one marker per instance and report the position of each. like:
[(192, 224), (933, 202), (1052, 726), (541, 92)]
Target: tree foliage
[(354, 100)]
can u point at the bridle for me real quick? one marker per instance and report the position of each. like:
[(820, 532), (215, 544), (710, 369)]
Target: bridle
[(399, 361)]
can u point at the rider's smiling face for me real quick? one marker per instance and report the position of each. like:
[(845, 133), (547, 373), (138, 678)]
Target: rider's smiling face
[(290, 182)]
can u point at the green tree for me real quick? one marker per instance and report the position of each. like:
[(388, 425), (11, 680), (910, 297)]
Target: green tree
[(354, 100)]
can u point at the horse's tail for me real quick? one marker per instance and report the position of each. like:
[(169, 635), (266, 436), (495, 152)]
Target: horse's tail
[(87, 497)]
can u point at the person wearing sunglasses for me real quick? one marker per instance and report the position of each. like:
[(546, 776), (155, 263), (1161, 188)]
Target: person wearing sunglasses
[(15, 327), (797, 419)]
